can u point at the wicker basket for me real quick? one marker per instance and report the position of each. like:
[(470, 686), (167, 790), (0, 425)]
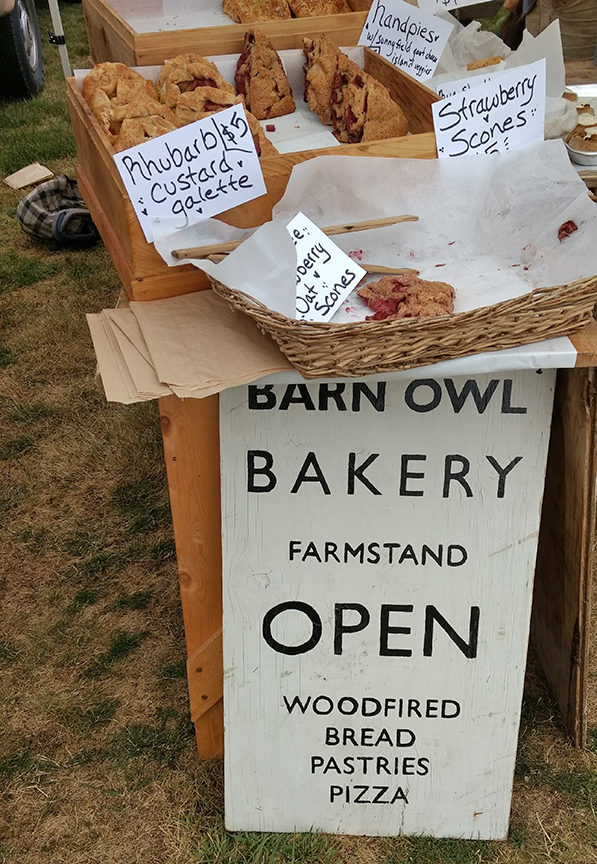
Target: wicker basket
[(325, 350)]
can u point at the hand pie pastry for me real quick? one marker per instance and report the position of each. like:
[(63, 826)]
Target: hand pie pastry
[(185, 73), (261, 80), (481, 64), (252, 11), (407, 297), (323, 60), (310, 8)]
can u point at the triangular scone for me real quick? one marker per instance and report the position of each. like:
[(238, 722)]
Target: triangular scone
[(321, 66), (263, 145), (370, 113), (311, 8), (253, 11), (261, 80), (356, 104), (185, 73)]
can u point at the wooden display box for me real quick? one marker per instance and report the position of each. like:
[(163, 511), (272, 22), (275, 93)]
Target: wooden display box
[(111, 37), (143, 272)]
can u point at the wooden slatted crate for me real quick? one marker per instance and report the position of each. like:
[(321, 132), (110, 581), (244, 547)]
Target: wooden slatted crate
[(143, 272), (111, 37)]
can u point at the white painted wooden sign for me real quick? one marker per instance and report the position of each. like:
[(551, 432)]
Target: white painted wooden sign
[(379, 539)]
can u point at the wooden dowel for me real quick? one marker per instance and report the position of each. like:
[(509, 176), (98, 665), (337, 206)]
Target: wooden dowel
[(331, 230), (370, 268)]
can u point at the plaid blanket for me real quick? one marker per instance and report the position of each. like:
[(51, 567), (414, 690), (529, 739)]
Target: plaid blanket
[(56, 212)]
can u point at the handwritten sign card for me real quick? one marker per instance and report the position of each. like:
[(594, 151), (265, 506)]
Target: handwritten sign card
[(195, 172), (325, 275), (434, 6), (410, 38), (506, 112)]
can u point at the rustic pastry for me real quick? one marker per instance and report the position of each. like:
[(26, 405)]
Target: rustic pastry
[(261, 80), (310, 8), (185, 73), (253, 11), (407, 297), (115, 79), (481, 64), (201, 102), (140, 129)]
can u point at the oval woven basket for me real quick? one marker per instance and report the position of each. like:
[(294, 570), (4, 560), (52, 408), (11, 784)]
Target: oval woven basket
[(325, 350)]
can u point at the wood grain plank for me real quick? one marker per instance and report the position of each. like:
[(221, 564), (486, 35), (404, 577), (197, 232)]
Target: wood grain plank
[(205, 675), (561, 603), (585, 342), (110, 37), (190, 432)]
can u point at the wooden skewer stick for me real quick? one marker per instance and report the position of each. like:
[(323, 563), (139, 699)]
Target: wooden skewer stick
[(370, 268), (331, 230)]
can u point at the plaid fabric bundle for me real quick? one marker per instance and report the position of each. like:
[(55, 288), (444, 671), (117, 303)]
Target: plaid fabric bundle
[(56, 212)]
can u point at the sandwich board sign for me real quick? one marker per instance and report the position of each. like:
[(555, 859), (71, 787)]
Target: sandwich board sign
[(379, 541)]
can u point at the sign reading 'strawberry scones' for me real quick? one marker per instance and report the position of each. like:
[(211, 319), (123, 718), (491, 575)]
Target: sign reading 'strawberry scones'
[(193, 173), (500, 114), (379, 540), (411, 39)]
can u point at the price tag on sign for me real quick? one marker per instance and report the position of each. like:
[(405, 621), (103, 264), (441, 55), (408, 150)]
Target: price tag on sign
[(499, 115), (410, 38), (195, 172), (325, 275)]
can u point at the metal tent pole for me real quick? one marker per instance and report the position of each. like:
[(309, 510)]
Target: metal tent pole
[(57, 38)]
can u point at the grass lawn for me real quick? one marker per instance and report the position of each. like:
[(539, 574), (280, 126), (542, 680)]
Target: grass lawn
[(97, 751)]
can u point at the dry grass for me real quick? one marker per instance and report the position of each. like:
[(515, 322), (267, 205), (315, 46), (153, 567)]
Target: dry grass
[(97, 753)]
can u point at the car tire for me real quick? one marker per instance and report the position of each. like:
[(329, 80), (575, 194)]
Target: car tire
[(21, 62)]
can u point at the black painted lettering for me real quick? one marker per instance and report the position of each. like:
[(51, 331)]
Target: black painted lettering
[(469, 649), (316, 477), (406, 475), (357, 472), (470, 388), (458, 476), (340, 628), (385, 629), (327, 392), (302, 398), (264, 470), (261, 398), (298, 606), (507, 407), (413, 400), (378, 400), (502, 473)]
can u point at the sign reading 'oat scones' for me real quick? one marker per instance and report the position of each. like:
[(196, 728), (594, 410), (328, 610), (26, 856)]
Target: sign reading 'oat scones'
[(325, 275), (409, 38), (379, 539), (193, 173)]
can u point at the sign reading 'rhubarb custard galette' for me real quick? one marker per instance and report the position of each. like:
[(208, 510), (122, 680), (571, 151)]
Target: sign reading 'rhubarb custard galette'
[(193, 173), (379, 540)]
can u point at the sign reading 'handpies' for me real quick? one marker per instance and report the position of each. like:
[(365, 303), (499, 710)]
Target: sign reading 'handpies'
[(411, 39), (195, 172)]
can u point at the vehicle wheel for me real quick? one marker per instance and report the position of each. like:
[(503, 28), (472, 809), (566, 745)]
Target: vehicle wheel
[(21, 63)]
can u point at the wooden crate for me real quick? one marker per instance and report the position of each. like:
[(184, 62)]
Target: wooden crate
[(143, 272), (111, 37)]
